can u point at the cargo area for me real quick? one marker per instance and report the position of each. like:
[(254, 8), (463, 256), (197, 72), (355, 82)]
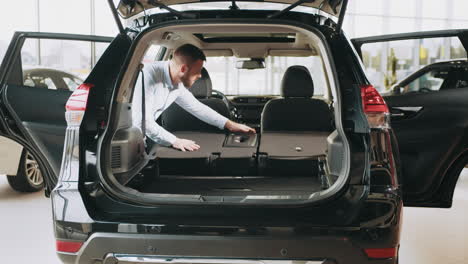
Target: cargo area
[(276, 83)]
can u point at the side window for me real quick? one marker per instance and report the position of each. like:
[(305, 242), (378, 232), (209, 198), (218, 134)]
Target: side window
[(230, 80), (428, 82), (57, 64), (151, 54), (72, 83), (389, 63), (38, 81), (50, 84)]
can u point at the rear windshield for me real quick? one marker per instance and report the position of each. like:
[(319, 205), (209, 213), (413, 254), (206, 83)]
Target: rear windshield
[(229, 80)]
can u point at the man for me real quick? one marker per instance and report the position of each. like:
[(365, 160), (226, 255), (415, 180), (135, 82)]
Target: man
[(164, 83)]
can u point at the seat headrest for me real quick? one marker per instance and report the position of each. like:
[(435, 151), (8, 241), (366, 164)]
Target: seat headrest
[(297, 82), (202, 87)]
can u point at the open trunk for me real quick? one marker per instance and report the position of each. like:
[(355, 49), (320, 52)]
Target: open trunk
[(297, 152)]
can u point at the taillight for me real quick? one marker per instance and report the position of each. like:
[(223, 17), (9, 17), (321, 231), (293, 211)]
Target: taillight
[(76, 104), (381, 253), (375, 108), (68, 246)]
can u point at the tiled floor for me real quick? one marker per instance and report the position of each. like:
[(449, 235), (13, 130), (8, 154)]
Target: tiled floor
[(26, 233), (430, 236)]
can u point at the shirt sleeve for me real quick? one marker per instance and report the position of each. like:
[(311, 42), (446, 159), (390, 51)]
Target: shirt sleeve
[(158, 134), (187, 101), (153, 130)]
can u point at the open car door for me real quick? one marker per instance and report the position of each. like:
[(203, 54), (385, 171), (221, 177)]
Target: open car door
[(37, 76), (430, 122)]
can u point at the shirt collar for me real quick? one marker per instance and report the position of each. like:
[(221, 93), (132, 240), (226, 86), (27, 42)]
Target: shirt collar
[(167, 77)]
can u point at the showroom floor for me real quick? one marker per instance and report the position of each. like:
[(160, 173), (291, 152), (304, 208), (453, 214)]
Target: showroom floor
[(430, 236)]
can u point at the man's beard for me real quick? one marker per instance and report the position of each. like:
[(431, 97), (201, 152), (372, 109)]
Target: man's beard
[(186, 81)]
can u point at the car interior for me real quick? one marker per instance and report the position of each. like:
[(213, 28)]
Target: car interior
[(295, 125)]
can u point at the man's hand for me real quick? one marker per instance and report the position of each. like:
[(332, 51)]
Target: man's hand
[(236, 127), (185, 144)]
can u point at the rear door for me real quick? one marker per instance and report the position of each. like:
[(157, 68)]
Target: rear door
[(430, 111), (38, 74), (133, 9)]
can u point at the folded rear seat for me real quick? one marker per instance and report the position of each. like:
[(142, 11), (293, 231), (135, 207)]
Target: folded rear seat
[(294, 128), (219, 154), (291, 154), (193, 163), (237, 157), (216, 156)]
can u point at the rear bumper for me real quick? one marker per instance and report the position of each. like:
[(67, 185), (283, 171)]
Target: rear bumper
[(113, 248)]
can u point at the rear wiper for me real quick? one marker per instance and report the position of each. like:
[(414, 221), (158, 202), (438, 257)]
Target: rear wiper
[(293, 5), (171, 10)]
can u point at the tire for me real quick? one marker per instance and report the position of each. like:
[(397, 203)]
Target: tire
[(29, 176)]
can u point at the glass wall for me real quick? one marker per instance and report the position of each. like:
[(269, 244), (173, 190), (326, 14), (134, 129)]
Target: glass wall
[(51, 65), (89, 17), (388, 63), (385, 64)]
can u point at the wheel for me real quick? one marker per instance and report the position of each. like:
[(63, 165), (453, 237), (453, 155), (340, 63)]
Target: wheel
[(29, 176)]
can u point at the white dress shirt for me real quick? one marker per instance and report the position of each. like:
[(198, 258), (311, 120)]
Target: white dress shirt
[(160, 93)]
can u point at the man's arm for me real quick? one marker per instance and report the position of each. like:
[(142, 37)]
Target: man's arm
[(187, 101), (203, 112), (153, 130), (160, 135)]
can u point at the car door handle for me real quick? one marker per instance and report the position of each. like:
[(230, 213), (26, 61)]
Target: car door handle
[(405, 111), (413, 109)]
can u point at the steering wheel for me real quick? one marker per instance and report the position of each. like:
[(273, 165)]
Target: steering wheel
[(230, 105)]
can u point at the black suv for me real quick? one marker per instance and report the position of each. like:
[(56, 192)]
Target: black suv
[(320, 182)]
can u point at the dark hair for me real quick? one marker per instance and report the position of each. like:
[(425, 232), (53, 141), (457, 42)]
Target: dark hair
[(190, 53)]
